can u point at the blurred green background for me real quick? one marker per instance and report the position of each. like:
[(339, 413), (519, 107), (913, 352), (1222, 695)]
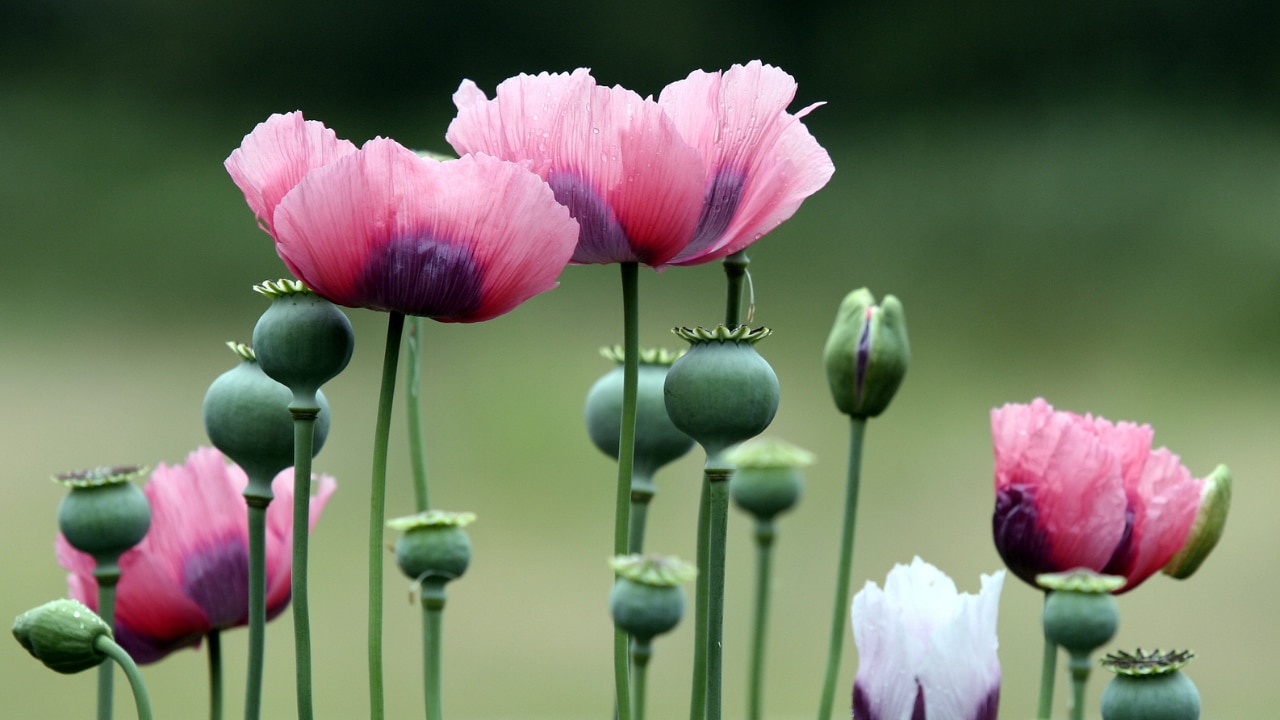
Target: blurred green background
[(1073, 200)]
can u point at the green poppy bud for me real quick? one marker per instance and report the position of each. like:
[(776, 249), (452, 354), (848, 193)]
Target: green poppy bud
[(767, 479), (302, 340), (721, 392), (866, 354), (1206, 529), (1149, 685), (62, 635), (1080, 613), (646, 600), (658, 440), (434, 545), (104, 514)]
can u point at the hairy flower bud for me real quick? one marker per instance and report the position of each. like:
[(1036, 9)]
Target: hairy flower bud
[(866, 354)]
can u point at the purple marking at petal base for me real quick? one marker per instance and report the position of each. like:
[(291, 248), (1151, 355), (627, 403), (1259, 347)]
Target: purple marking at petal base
[(917, 711), (601, 238), (1019, 539), (1121, 561), (861, 705), (145, 649), (217, 579), (718, 207), (990, 705), (420, 275)]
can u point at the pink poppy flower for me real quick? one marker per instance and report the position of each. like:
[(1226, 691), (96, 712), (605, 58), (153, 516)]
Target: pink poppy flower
[(705, 171), (189, 575), (382, 228), (1075, 491), (925, 650)]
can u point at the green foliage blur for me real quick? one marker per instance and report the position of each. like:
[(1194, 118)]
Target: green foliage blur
[(1072, 200)]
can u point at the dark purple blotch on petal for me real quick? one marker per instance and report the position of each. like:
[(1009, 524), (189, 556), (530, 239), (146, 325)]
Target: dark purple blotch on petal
[(862, 704), (718, 208), (917, 710), (217, 579), (146, 649), (1021, 542), (1121, 562), (423, 275), (601, 238), (990, 705)]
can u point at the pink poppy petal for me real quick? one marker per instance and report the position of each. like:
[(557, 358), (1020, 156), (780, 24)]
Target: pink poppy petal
[(1164, 501)]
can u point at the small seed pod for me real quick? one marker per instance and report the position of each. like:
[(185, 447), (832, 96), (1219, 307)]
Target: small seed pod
[(1080, 613), (721, 392), (433, 545), (62, 634), (246, 415), (767, 479), (105, 514), (1149, 685), (646, 600), (302, 340), (658, 440)]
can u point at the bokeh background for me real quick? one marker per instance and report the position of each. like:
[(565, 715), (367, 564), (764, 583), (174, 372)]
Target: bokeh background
[(1073, 200)]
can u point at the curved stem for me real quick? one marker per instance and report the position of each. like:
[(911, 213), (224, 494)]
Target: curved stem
[(840, 612), (764, 572), (626, 461), (735, 268), (108, 647), (304, 424), (717, 536), (433, 599), (698, 695), (640, 654), (413, 407), (107, 573), (213, 641), (1048, 675), (257, 601), (377, 509)]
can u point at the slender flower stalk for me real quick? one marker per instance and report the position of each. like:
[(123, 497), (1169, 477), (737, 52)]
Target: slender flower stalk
[(213, 642), (433, 600), (735, 270), (107, 575), (377, 508), (257, 512), (105, 645), (304, 420), (626, 461), (1048, 676), (764, 535), (413, 409)]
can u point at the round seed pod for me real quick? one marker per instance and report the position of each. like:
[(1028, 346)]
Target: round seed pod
[(302, 340), (1080, 613), (646, 599), (767, 477), (1149, 685), (433, 545), (658, 440), (104, 514)]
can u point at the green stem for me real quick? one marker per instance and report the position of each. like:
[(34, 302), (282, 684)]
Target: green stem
[(735, 268), (433, 599), (108, 647), (641, 494), (304, 424), (1080, 665), (1048, 674), (764, 572), (698, 695), (107, 574), (840, 612), (417, 445), (717, 536), (626, 461), (377, 510), (640, 654), (214, 643), (257, 505)]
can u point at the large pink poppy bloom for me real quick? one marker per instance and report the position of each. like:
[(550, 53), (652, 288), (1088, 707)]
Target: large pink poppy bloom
[(190, 574), (381, 228), (704, 171), (1078, 491), (925, 650)]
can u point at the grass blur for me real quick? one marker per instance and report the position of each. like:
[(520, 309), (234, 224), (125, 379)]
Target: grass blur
[(1117, 257)]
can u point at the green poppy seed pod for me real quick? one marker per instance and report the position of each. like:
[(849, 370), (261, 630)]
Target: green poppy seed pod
[(105, 514), (1080, 613), (302, 340), (658, 440), (61, 634), (767, 478), (1149, 686), (246, 415), (866, 354), (433, 545), (721, 392), (646, 599), (1206, 529)]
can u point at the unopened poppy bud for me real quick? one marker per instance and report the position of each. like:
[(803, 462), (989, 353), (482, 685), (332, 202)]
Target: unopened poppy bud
[(61, 634), (658, 440), (767, 478), (1149, 685), (434, 545), (1080, 613), (105, 514), (866, 354), (302, 340), (1206, 529), (646, 599), (721, 392)]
